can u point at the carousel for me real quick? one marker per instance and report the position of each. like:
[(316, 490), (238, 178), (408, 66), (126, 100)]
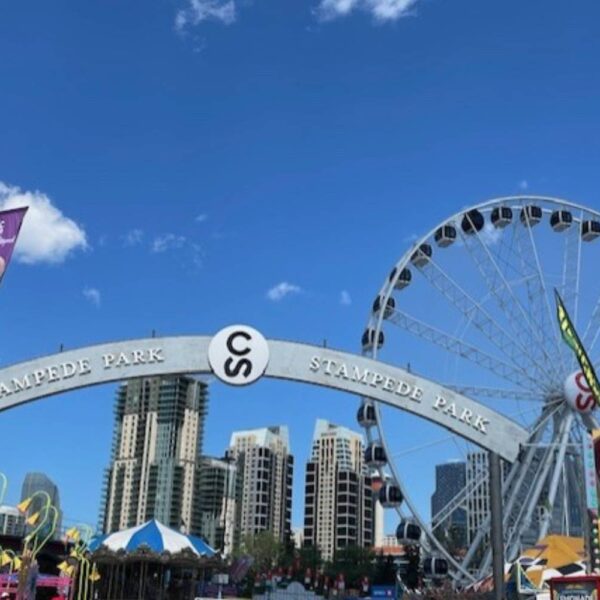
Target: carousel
[(151, 562)]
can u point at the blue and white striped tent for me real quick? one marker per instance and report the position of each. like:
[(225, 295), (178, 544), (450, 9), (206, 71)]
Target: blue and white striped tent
[(153, 536)]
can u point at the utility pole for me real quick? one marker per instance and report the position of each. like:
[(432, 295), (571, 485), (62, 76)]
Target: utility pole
[(496, 535)]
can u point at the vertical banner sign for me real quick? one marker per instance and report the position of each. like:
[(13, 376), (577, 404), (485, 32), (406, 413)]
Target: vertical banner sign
[(572, 340), (589, 465), (10, 225)]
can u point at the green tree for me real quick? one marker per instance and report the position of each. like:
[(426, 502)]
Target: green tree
[(411, 574), (264, 548), (288, 555), (385, 571), (309, 557), (354, 562)]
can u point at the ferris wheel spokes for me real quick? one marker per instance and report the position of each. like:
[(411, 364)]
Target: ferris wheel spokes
[(431, 539), (540, 301), (522, 522), (558, 469), (474, 312), (518, 472), (470, 352), (572, 270), (506, 299)]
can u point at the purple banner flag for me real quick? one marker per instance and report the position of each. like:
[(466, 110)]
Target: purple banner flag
[(10, 225)]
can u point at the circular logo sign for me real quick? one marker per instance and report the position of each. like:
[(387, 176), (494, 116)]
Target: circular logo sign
[(578, 393), (238, 355)]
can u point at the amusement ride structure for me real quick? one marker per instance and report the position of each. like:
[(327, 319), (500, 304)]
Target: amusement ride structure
[(471, 304)]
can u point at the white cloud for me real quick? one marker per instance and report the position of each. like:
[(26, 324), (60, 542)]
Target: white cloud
[(197, 255), (185, 247), (381, 10), (201, 218), (390, 10), (490, 234), (133, 237), (93, 295), (198, 11), (281, 290), (47, 236), (345, 298), (167, 241), (330, 9)]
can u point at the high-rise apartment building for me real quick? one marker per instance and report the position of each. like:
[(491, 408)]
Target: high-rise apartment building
[(478, 501), (217, 492), (40, 482), (264, 471), (450, 480), (12, 522), (157, 442), (338, 508)]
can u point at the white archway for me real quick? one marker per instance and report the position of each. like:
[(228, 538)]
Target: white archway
[(92, 365)]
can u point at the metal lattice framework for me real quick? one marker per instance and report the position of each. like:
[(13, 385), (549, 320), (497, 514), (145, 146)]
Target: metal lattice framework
[(476, 292)]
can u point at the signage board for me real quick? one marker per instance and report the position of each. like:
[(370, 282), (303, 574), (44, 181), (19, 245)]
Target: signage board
[(583, 587), (383, 591)]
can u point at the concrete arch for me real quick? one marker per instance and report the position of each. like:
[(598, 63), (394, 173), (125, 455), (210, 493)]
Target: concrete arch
[(104, 363)]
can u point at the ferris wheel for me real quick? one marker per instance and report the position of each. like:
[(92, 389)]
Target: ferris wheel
[(471, 305)]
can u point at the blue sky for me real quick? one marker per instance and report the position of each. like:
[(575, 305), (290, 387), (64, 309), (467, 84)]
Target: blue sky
[(187, 157)]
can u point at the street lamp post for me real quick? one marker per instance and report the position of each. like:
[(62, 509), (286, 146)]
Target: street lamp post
[(83, 567), (48, 514), (51, 516)]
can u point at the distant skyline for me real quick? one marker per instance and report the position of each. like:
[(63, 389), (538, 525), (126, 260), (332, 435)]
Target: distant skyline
[(196, 163)]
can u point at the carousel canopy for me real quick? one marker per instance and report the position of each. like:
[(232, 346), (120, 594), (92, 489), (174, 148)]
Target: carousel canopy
[(156, 537)]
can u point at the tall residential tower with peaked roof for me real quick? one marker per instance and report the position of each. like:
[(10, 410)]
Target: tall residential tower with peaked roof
[(338, 507), (155, 462)]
